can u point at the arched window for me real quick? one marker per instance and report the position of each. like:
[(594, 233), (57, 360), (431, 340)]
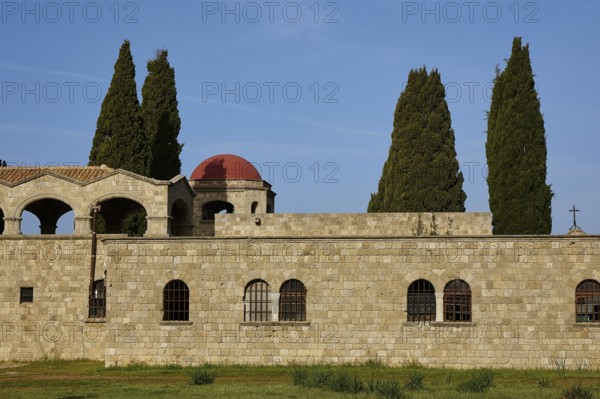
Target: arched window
[(292, 301), (176, 306), (457, 301), (253, 207), (98, 300), (587, 301), (257, 301), (421, 301), (210, 209)]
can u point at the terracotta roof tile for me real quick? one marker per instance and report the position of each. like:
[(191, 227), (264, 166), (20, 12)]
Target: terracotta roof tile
[(15, 175)]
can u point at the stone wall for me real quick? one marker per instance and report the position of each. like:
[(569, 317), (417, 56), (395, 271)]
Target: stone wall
[(55, 324), (353, 224), (523, 301)]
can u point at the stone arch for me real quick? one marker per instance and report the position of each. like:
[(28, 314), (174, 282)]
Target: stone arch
[(412, 276), (115, 208), (48, 208), (286, 275), (106, 197), (181, 218), (250, 276), (209, 209), (467, 277), (577, 277)]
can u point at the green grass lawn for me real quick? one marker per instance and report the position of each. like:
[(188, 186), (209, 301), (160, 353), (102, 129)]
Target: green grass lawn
[(88, 379)]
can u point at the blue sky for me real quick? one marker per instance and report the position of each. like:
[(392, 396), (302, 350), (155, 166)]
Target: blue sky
[(306, 90)]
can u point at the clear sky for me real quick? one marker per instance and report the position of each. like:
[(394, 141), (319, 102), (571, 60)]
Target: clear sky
[(306, 89)]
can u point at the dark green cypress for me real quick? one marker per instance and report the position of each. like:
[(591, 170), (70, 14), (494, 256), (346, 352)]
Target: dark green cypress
[(120, 140), (520, 199), (161, 118), (2, 163), (421, 173)]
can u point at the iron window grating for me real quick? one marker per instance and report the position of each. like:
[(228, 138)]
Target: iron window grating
[(292, 301), (421, 301), (457, 301), (587, 302), (97, 306), (257, 301), (176, 306)]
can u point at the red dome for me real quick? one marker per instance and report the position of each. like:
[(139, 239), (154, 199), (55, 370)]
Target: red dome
[(225, 167)]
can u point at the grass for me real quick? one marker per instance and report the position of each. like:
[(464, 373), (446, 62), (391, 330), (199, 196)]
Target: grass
[(480, 381), (90, 380)]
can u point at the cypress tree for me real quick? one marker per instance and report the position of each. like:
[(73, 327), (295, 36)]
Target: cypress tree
[(161, 118), (421, 173), (2, 163), (520, 199), (120, 140)]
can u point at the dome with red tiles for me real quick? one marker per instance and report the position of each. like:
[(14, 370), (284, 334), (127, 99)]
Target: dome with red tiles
[(225, 167)]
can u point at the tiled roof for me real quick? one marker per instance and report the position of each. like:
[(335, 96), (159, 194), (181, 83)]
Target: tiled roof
[(83, 174)]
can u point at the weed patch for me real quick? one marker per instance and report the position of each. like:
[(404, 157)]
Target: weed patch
[(480, 381), (577, 391), (203, 376)]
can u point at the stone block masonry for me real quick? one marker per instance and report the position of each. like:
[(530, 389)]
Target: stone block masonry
[(522, 308), (523, 301), (353, 224)]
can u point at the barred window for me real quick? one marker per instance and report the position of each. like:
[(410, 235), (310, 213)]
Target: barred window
[(26, 294), (421, 301), (98, 300), (457, 301), (176, 306), (257, 301), (292, 301), (587, 301)]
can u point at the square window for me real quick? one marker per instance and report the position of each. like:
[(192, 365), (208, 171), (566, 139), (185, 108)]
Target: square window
[(26, 294)]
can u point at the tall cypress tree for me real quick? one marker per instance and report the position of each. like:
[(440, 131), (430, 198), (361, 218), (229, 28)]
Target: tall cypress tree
[(421, 173), (520, 199), (120, 140), (161, 118)]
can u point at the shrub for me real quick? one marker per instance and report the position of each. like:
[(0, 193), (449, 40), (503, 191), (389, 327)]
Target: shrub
[(320, 378), (386, 389), (577, 391), (415, 381), (311, 378), (300, 376), (344, 381), (480, 381), (203, 376)]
